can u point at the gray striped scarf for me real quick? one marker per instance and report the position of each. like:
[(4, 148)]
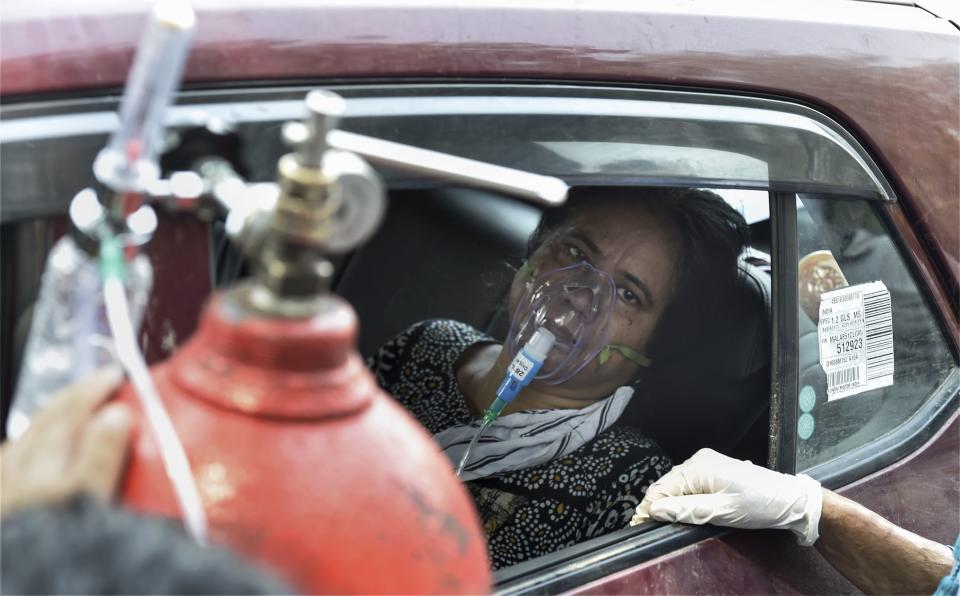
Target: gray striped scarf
[(526, 439)]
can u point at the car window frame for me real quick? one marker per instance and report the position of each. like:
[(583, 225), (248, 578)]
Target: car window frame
[(617, 551), (731, 121), (620, 550), (784, 374), (926, 421)]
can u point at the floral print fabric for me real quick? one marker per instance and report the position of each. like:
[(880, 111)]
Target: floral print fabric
[(538, 510)]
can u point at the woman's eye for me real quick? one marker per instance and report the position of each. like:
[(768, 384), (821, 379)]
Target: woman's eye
[(628, 296), (575, 253)]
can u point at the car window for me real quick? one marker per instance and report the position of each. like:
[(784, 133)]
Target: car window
[(871, 352), (451, 252)]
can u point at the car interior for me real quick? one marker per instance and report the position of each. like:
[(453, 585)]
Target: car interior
[(449, 251), (458, 252)]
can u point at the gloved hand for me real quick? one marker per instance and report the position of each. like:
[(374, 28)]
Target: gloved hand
[(713, 488)]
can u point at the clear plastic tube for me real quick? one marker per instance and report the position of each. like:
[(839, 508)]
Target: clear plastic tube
[(473, 443), (129, 161), (128, 352), (519, 374)]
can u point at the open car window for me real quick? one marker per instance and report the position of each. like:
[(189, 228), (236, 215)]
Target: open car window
[(450, 252)]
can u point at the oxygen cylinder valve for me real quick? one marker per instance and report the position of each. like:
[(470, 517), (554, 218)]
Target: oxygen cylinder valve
[(329, 202)]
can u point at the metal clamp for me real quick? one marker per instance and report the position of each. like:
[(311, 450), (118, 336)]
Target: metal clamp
[(327, 198)]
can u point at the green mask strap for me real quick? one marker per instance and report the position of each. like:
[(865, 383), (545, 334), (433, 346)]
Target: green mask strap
[(628, 353), (527, 270)]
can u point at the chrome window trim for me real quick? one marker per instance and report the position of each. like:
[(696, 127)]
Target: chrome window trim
[(801, 148)]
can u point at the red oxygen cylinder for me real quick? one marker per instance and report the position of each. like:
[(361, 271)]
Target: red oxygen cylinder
[(302, 462)]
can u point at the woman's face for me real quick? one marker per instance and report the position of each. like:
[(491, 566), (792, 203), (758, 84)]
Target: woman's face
[(638, 249)]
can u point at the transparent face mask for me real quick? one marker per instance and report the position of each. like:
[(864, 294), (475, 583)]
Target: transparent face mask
[(575, 304)]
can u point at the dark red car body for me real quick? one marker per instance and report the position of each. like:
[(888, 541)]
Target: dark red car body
[(889, 73)]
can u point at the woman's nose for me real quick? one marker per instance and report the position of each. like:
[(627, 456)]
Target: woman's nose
[(583, 300)]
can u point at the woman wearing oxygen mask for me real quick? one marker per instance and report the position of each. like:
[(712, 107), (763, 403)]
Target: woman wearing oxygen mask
[(592, 309)]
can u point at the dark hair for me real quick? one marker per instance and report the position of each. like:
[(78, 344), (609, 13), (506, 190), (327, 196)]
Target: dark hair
[(711, 235), (84, 547)]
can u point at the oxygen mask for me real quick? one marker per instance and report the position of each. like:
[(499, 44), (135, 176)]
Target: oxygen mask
[(574, 304), (560, 324)]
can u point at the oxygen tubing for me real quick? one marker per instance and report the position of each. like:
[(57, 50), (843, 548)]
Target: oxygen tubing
[(112, 268)]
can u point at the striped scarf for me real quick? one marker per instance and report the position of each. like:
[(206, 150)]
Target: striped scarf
[(527, 439)]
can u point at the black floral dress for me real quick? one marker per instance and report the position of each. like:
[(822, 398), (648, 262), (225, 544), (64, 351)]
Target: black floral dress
[(530, 512)]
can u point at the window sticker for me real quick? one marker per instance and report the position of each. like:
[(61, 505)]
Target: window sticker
[(805, 426), (808, 399), (856, 339)]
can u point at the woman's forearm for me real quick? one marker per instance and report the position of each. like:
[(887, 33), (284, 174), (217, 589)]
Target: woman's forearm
[(876, 555)]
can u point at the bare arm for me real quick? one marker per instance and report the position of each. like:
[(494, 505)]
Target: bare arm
[(876, 555)]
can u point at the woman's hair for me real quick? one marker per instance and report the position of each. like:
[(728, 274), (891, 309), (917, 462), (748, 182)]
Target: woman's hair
[(710, 236)]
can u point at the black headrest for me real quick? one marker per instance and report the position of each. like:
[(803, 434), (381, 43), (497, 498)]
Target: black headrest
[(717, 394), (442, 253)]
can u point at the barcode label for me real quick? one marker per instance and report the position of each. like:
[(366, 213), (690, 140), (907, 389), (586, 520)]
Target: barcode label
[(855, 331), (840, 377), (878, 328)]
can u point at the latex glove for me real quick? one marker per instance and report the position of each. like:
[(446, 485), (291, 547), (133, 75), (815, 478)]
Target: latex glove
[(713, 488), (73, 446)]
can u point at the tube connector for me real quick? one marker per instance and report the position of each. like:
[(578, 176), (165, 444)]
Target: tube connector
[(89, 223), (540, 344), (521, 371), (493, 412)]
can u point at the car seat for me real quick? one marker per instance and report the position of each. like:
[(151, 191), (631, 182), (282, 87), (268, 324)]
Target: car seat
[(441, 253), (719, 395)]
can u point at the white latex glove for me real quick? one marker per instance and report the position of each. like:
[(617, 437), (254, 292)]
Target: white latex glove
[(713, 488)]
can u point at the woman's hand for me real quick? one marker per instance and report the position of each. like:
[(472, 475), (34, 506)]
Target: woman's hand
[(72, 446)]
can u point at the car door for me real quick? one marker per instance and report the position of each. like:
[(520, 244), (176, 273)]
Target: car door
[(801, 164)]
